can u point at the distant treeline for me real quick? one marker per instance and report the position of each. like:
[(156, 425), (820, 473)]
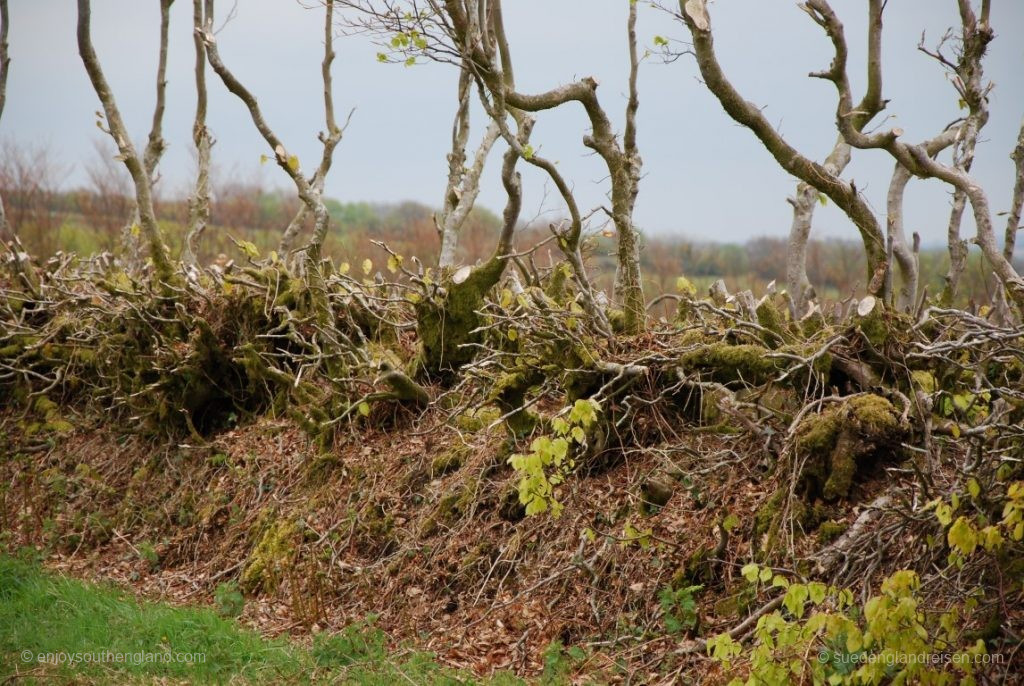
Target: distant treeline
[(93, 219)]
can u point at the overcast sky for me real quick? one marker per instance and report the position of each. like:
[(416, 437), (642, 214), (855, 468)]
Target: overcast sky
[(706, 178)]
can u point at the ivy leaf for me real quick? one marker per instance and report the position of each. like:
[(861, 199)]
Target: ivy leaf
[(749, 572)]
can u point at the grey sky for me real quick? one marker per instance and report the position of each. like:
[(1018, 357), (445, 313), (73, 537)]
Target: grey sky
[(706, 177)]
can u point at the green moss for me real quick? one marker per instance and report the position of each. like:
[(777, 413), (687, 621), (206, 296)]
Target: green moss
[(767, 522), (557, 287), (452, 506), (814, 323), (449, 460), (271, 557), (836, 441), (831, 530), (874, 327), (477, 420), (509, 394), (769, 317), (445, 324), (617, 319), (732, 363)]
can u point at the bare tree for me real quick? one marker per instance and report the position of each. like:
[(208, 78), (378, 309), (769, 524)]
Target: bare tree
[(915, 157), (116, 128), (155, 143), (199, 202), (807, 195), (906, 257), (5, 65), (483, 48), (967, 76), (313, 196), (463, 182), (825, 178)]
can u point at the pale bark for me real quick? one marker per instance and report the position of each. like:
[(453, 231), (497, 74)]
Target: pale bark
[(844, 194), (623, 164), (463, 182), (625, 187), (906, 257), (5, 63), (329, 139), (155, 143), (915, 157), (136, 168), (969, 82), (806, 199), (807, 196), (1017, 201), (199, 203), (310, 192)]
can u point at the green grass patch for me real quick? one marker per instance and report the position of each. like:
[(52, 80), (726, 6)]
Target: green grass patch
[(52, 627)]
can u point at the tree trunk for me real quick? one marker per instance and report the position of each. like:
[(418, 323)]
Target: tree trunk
[(149, 228), (199, 203), (6, 232)]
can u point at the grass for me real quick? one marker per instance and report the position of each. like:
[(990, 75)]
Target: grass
[(43, 613)]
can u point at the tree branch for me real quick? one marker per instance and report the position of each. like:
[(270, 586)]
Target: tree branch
[(842, 193), (117, 130)]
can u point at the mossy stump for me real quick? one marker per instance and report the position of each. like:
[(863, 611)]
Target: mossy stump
[(837, 442)]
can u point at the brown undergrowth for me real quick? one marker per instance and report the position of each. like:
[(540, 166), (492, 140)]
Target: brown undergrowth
[(439, 551)]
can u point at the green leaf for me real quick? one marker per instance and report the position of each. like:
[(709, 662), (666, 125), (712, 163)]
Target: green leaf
[(364, 409), (367, 266), (749, 572)]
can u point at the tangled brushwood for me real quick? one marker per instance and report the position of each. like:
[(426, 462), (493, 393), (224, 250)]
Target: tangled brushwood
[(869, 441), (506, 464)]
